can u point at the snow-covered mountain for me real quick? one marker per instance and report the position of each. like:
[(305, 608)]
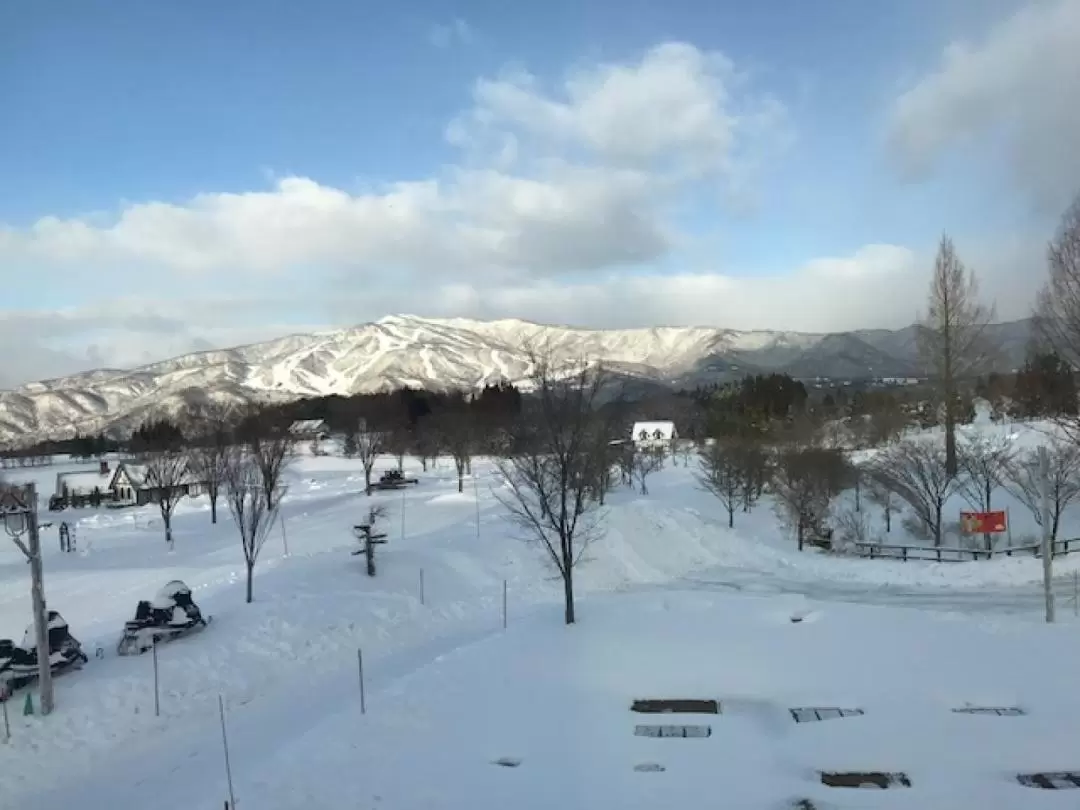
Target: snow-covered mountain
[(439, 354)]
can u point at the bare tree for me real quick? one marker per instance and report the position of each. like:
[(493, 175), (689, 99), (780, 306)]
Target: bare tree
[(916, 471), (805, 481), (368, 447), (166, 476), (1058, 307), (253, 511), (458, 433), (984, 461), (273, 452), (646, 461), (952, 341), (551, 468), (723, 473), (1024, 481), (883, 497), (212, 426)]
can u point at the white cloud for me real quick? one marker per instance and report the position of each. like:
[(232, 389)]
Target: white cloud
[(579, 182), (1018, 87), (561, 209)]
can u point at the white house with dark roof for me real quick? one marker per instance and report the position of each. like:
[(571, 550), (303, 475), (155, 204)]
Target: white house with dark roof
[(309, 429), (652, 435), (128, 485)]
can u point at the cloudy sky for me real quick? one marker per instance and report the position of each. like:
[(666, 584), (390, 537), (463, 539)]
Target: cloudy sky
[(182, 175)]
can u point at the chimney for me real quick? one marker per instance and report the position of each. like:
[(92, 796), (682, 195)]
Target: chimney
[(104, 467)]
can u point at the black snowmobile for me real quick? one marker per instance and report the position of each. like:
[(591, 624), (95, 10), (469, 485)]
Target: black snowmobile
[(19, 663), (170, 615)]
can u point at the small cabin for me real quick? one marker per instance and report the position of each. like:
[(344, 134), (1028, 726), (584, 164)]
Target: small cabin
[(653, 435)]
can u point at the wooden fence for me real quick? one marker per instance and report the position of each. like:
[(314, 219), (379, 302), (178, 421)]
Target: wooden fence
[(875, 551)]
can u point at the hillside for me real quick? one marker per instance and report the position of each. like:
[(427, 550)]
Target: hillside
[(440, 354)]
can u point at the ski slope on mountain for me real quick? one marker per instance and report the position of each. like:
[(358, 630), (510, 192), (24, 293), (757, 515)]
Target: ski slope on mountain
[(288, 661), (439, 354)]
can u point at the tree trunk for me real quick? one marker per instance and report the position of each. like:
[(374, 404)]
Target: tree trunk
[(367, 480), (461, 479), (369, 555), (167, 520), (731, 516), (799, 531), (988, 538), (213, 507), (568, 593), (937, 526), (250, 580)]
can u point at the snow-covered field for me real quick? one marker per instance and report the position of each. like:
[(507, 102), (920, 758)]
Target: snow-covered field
[(672, 601)]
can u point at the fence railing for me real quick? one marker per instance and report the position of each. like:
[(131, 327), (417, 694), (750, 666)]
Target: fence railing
[(952, 554)]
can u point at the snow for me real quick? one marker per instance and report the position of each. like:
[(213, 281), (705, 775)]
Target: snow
[(673, 604)]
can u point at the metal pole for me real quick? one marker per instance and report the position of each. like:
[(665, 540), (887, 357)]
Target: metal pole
[(157, 698), (1076, 593), (225, 745), (41, 620), (1047, 539), (284, 536), (360, 664), (403, 514), (504, 604), (422, 586), (476, 497)]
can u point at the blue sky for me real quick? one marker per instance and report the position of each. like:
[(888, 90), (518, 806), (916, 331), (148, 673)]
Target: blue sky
[(180, 175)]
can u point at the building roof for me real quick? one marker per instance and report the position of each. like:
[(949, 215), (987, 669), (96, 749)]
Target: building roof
[(307, 426), (666, 429), (136, 475), (83, 482)]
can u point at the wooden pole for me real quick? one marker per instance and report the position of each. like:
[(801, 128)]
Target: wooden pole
[(225, 745), (360, 666), (157, 698), (41, 614), (1047, 539)]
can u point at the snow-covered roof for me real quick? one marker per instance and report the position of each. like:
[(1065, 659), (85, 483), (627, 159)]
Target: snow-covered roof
[(653, 430), (83, 482), (303, 426), (136, 475)]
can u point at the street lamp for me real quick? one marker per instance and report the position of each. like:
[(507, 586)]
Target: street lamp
[(18, 506)]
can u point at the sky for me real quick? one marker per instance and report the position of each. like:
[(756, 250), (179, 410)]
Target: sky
[(177, 176)]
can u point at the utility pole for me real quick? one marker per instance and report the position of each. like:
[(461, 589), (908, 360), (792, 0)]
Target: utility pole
[(19, 511), (1047, 538)]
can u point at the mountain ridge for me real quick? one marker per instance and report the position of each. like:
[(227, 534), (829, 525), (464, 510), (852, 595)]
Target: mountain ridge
[(449, 353)]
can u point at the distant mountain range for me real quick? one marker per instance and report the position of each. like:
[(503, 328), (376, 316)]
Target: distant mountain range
[(441, 354)]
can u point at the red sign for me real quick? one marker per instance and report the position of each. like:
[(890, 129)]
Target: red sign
[(983, 522)]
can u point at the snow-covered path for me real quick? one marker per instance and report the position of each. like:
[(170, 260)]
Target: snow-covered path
[(185, 770), (1021, 600)]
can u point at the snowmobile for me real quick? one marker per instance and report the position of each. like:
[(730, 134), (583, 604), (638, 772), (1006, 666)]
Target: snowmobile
[(19, 663), (170, 615)]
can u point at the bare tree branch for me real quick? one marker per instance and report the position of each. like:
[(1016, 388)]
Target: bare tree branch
[(1057, 310), (985, 460), (953, 341), (252, 510), (552, 467), (1024, 481), (167, 477), (916, 471)]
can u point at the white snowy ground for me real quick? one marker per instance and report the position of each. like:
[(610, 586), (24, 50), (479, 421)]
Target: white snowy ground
[(286, 665)]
